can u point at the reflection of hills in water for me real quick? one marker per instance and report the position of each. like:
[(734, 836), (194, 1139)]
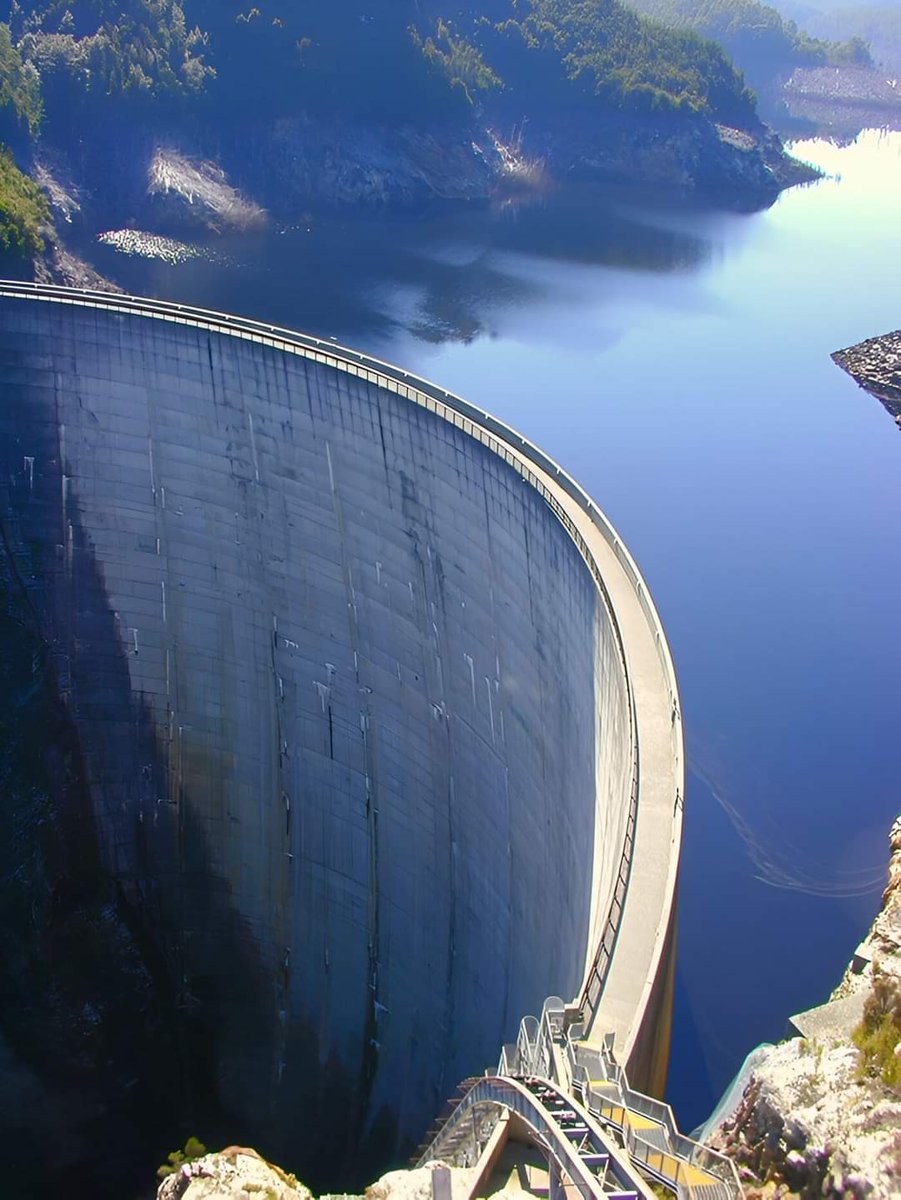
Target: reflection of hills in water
[(445, 277), (591, 226), (458, 300), (579, 227)]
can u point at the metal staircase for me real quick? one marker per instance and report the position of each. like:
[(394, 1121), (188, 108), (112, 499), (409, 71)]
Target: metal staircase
[(580, 1155), (602, 1138), (442, 1120), (647, 1126)]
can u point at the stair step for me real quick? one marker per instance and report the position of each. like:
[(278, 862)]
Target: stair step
[(593, 1159)]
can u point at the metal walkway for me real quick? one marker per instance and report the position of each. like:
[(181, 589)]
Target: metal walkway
[(603, 1140), (580, 1155)]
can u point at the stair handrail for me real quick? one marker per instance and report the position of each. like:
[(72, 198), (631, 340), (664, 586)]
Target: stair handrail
[(508, 1063), (551, 1029), (527, 1043), (582, 1058)]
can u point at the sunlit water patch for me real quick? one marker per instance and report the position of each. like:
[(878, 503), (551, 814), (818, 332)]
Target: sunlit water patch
[(136, 243)]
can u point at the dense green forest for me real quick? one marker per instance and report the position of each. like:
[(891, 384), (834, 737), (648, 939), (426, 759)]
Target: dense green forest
[(226, 58), (559, 55), (764, 45), (21, 107), (379, 61)]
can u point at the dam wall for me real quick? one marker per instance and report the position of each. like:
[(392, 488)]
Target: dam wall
[(360, 726)]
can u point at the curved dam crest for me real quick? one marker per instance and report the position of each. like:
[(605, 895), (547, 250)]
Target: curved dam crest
[(360, 720)]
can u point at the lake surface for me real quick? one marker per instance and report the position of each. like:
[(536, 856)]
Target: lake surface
[(677, 363)]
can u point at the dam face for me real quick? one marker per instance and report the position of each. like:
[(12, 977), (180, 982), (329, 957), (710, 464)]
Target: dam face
[(352, 759)]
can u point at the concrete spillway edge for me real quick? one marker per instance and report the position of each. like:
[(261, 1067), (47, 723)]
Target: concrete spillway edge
[(628, 972)]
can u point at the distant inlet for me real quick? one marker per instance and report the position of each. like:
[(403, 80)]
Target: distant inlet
[(378, 727)]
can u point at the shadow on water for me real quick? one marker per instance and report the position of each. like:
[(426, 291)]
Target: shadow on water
[(441, 277)]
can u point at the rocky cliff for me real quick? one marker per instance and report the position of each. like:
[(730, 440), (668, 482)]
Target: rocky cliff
[(235, 1173), (171, 184), (876, 366), (239, 1173), (821, 1113)]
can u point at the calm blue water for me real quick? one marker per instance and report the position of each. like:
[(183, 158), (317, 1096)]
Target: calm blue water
[(677, 363)]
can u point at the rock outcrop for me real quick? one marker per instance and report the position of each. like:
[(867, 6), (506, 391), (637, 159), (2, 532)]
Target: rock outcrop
[(810, 1122), (311, 163), (189, 193), (167, 184), (240, 1173), (236, 1173), (876, 366), (57, 264)]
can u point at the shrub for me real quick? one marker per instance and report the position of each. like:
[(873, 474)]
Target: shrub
[(23, 209), (879, 1031), (193, 1148)]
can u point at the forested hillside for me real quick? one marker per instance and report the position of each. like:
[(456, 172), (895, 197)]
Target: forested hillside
[(264, 86), (383, 60), (555, 54), (766, 46)]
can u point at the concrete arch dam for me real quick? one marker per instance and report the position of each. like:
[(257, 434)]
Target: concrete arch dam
[(358, 736)]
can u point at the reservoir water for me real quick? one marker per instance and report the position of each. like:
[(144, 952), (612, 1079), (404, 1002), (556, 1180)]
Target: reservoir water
[(677, 363)]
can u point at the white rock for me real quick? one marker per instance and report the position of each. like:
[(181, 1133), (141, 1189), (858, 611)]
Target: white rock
[(234, 1174)]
